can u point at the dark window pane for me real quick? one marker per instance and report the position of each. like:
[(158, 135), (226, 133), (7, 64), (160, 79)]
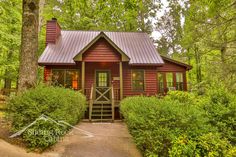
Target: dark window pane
[(72, 79), (138, 80), (65, 78), (160, 82), (179, 81), (169, 80), (58, 77)]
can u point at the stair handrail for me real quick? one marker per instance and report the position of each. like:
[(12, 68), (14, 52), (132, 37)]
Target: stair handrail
[(112, 102), (91, 103)]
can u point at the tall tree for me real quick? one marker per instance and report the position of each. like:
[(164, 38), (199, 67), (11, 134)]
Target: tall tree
[(29, 45), (169, 26), (10, 24), (210, 24)]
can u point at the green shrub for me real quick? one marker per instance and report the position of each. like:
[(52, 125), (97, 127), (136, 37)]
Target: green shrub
[(219, 95), (156, 123), (181, 96), (172, 127), (60, 104), (221, 110), (210, 144)]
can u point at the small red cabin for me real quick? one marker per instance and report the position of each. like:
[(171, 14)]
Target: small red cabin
[(108, 66)]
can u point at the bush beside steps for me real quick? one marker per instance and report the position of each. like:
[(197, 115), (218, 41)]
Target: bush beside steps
[(58, 103), (182, 124)]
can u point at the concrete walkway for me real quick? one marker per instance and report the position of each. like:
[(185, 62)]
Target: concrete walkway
[(104, 140), (8, 150)]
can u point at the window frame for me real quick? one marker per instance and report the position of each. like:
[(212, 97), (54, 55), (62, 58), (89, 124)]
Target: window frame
[(64, 77), (144, 80), (158, 82), (103, 70), (173, 79), (179, 82)]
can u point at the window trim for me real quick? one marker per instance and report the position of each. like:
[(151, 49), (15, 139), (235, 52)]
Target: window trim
[(64, 70), (144, 81), (174, 79), (182, 73), (164, 81), (103, 70)]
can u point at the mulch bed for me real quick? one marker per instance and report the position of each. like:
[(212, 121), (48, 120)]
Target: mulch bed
[(5, 125), (5, 133)]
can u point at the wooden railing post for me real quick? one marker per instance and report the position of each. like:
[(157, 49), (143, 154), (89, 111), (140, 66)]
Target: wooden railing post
[(112, 103), (91, 103), (83, 77), (121, 81)]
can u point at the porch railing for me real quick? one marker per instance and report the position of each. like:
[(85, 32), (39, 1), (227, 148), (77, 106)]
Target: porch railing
[(102, 96), (113, 98), (91, 103), (87, 93), (113, 103)]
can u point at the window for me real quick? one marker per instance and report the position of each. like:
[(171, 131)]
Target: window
[(58, 77), (179, 81), (160, 82), (65, 78), (169, 80), (102, 79), (138, 80)]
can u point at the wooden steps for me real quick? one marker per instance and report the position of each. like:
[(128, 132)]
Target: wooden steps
[(101, 112)]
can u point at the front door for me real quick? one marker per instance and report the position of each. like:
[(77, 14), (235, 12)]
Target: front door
[(103, 88)]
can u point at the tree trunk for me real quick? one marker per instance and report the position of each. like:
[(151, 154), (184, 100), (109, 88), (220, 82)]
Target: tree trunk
[(7, 85), (41, 6), (189, 62), (141, 16), (29, 45), (7, 75), (198, 64)]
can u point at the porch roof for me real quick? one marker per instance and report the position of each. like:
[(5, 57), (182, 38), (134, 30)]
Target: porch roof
[(138, 47)]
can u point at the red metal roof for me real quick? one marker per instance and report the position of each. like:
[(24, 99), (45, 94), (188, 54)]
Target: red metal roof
[(137, 46)]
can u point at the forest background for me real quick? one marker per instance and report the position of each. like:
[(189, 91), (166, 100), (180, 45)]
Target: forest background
[(201, 33)]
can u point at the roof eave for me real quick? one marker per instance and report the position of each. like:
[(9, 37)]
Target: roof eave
[(52, 63), (188, 67), (146, 64)]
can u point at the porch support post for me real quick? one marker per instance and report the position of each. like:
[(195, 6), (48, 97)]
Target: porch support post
[(121, 81), (83, 77), (185, 81)]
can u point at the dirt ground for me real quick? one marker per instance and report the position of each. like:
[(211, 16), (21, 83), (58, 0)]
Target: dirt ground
[(85, 140), (5, 131)]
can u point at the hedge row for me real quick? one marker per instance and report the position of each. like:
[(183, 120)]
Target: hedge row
[(182, 124), (52, 103)]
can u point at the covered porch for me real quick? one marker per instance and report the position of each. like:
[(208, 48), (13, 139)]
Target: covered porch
[(102, 84)]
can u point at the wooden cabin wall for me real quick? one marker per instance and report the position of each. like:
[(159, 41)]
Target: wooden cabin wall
[(150, 84), (90, 69), (101, 51)]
